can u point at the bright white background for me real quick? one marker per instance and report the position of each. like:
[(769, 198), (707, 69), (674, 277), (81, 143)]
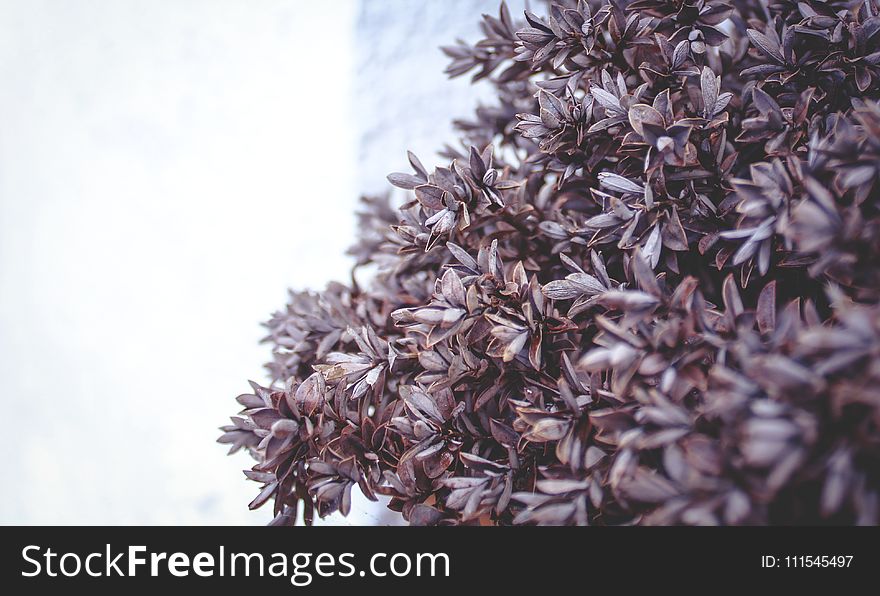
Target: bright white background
[(167, 170)]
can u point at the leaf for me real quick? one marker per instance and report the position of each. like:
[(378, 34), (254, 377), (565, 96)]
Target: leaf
[(514, 347), (417, 165), (553, 108), (716, 14), (733, 305), (573, 286), (618, 183), (765, 103), (644, 275), (607, 101), (765, 313), (767, 46), (462, 256), (648, 487), (589, 284), (674, 237), (681, 53), (547, 429), (561, 289), (503, 433), (310, 394), (651, 248), (452, 288), (709, 87), (478, 168), (640, 113), (431, 196), (265, 494), (405, 181)]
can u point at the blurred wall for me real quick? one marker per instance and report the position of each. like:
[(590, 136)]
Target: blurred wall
[(403, 101), (167, 170)]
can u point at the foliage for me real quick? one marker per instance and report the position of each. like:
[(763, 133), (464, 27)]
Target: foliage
[(645, 292)]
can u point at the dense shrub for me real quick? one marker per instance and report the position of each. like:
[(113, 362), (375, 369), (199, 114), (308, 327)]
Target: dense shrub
[(646, 290)]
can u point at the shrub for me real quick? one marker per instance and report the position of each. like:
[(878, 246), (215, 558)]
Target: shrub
[(646, 290)]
